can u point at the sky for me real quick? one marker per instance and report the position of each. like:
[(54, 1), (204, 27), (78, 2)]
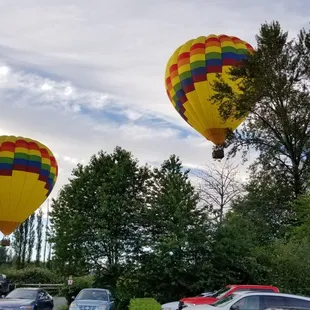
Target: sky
[(80, 76)]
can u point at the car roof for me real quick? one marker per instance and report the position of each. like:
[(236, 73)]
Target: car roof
[(248, 285), (252, 293), (29, 288), (95, 289)]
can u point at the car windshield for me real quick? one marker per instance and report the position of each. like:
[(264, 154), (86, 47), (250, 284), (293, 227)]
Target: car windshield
[(93, 295), (224, 301), (220, 293), (22, 294)]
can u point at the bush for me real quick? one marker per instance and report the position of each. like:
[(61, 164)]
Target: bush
[(78, 284), (31, 275), (144, 304)]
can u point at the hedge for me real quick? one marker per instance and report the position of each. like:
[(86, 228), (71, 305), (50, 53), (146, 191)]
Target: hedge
[(144, 304), (31, 275)]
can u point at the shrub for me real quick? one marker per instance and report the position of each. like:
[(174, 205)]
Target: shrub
[(31, 275), (144, 304), (78, 284)]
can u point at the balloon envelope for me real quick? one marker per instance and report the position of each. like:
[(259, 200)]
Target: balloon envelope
[(190, 74), (28, 172)]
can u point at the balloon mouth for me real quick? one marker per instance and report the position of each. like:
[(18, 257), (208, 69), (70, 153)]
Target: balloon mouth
[(216, 135), (7, 227)]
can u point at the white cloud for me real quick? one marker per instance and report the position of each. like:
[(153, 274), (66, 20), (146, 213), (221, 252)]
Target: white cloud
[(65, 65)]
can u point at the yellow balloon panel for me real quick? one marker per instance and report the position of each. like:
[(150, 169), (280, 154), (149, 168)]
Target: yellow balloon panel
[(28, 172), (190, 74)]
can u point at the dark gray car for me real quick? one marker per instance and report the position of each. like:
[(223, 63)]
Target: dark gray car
[(27, 299)]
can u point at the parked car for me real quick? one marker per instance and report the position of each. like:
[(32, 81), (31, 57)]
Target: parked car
[(93, 299), (6, 286), (224, 292), (257, 301), (28, 299)]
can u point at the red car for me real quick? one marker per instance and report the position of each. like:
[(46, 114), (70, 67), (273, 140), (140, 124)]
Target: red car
[(224, 292)]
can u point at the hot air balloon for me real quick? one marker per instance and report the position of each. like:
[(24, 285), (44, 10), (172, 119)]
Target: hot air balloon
[(190, 74), (28, 172)]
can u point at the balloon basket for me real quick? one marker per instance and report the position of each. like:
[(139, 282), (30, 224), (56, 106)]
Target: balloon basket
[(5, 242), (218, 152)]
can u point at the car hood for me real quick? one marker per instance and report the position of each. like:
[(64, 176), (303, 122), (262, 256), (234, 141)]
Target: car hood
[(15, 302), (90, 302), (200, 307), (170, 305), (199, 300)]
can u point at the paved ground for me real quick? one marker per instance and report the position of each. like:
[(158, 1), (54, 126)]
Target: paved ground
[(59, 301)]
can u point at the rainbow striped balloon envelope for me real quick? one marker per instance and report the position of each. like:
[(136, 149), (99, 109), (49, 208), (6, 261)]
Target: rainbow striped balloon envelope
[(190, 74), (28, 172)]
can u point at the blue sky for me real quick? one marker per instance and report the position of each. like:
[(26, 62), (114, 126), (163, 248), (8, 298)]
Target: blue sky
[(81, 76)]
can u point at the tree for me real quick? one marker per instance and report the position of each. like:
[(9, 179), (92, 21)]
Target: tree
[(178, 261), (31, 237), (275, 93), (4, 255), (103, 204), (219, 187), (267, 204), (39, 230)]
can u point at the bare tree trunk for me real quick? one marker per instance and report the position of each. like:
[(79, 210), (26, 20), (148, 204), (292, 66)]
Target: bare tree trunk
[(219, 187)]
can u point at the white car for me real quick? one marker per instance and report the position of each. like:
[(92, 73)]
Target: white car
[(256, 301)]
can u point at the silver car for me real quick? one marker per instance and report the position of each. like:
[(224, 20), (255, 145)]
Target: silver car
[(93, 299)]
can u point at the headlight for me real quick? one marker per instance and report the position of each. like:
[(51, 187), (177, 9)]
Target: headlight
[(73, 306), (101, 307)]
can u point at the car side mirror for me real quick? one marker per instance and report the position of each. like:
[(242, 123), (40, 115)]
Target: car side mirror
[(112, 299)]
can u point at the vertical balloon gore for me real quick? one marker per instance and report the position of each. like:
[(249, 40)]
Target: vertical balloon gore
[(190, 75), (28, 172)]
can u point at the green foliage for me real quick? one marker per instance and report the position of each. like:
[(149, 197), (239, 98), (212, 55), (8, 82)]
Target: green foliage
[(103, 204), (144, 304), (69, 291), (32, 275), (276, 95)]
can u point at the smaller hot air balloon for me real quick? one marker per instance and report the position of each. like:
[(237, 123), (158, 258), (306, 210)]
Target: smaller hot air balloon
[(190, 73), (28, 172)]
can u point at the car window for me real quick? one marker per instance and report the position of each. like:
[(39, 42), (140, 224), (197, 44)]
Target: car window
[(273, 301), (247, 303), (220, 293), (41, 294), (21, 293), (296, 302), (110, 296), (92, 295)]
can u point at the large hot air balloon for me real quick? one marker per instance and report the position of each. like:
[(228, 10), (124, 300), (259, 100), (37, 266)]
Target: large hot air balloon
[(190, 74), (28, 172)]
